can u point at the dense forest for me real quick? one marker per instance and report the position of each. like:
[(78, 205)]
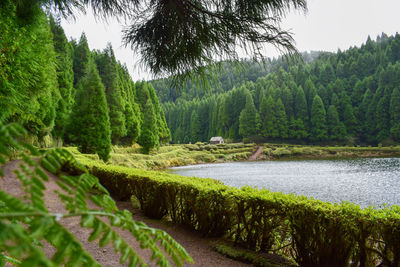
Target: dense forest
[(60, 90), (348, 97)]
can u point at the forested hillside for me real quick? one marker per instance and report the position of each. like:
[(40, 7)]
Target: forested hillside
[(345, 97), (60, 90), (224, 77)]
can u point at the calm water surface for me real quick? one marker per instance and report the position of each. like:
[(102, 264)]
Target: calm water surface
[(372, 181)]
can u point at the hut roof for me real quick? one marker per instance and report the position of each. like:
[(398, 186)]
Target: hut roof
[(216, 138)]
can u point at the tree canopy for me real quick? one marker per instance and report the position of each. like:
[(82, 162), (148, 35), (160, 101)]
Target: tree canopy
[(179, 36)]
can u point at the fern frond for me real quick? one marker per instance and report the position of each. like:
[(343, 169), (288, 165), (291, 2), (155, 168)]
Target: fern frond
[(23, 225)]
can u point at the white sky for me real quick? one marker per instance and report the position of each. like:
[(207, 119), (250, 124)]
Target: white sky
[(328, 26)]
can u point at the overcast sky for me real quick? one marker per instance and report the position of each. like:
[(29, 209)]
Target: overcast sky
[(328, 25)]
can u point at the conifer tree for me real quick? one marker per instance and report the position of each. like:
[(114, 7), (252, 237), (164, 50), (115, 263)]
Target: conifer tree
[(108, 70), (336, 129), (89, 125), (268, 125), (395, 105), (311, 92), (249, 120), (318, 120), (65, 77), (194, 127), (281, 121), (300, 105), (350, 120), (148, 138), (395, 112), (81, 58), (263, 109), (297, 129), (164, 133)]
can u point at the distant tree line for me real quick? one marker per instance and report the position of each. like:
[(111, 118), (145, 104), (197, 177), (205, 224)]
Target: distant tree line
[(345, 97), (59, 88), (222, 78)]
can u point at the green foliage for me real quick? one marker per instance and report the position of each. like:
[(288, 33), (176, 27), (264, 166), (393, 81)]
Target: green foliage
[(65, 78), (249, 120), (360, 83), (148, 138), (194, 127), (336, 129), (81, 58), (24, 224), (108, 70), (249, 256), (28, 81), (89, 122), (311, 232), (318, 120), (281, 122)]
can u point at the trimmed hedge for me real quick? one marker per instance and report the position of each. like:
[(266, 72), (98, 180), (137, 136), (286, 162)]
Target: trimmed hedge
[(309, 231)]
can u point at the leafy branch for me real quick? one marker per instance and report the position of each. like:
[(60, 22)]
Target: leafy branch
[(25, 224)]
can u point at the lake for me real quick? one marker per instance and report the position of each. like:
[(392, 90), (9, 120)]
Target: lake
[(365, 181)]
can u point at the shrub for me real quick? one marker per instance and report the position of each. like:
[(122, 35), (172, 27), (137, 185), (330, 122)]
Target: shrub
[(312, 232)]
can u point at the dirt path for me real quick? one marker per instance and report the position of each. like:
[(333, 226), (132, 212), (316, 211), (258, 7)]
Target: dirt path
[(255, 155), (198, 247)]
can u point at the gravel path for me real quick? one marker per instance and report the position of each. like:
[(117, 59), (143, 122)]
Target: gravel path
[(198, 247)]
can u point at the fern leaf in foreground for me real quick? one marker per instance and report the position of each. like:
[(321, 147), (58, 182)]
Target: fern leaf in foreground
[(25, 224)]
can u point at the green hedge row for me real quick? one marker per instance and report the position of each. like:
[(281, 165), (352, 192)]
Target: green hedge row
[(309, 231)]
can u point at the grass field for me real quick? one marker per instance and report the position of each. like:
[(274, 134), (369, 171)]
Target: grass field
[(180, 155)]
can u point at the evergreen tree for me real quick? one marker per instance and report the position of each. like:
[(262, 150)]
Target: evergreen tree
[(65, 77), (382, 116), (269, 129), (318, 120), (311, 92), (336, 129), (89, 124), (350, 120), (163, 130), (107, 66), (395, 106), (281, 121), (148, 138), (297, 129), (81, 59), (300, 105), (194, 127), (395, 113), (249, 120)]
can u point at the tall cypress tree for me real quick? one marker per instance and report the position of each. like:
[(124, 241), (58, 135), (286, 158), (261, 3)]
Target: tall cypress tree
[(395, 113), (268, 124), (65, 77), (350, 120), (300, 105), (194, 127), (89, 125), (81, 58), (249, 121), (163, 131), (281, 121), (318, 120), (108, 70), (336, 129), (311, 92), (148, 138), (383, 116)]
